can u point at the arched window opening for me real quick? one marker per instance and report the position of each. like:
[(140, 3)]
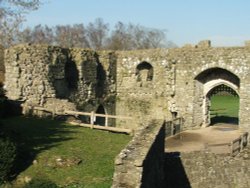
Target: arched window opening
[(100, 120), (224, 105), (144, 72)]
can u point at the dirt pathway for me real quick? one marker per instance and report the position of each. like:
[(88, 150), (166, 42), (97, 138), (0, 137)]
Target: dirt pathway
[(195, 140)]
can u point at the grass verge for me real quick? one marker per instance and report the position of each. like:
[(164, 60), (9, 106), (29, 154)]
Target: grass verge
[(224, 109), (49, 148)]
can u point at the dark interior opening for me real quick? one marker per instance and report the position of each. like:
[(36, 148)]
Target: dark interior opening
[(71, 75), (100, 120), (144, 66)]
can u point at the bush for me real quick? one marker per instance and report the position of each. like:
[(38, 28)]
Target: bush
[(40, 183), (8, 151)]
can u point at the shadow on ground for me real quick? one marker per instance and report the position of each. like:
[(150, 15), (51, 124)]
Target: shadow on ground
[(32, 137), (225, 119), (175, 175)]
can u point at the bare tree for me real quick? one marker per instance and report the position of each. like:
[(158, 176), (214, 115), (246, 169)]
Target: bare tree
[(130, 37), (39, 34), (11, 16), (155, 38), (79, 36), (71, 36), (25, 36), (97, 33), (120, 38)]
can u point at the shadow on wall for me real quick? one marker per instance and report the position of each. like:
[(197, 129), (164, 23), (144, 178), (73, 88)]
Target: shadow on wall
[(101, 79), (175, 175)]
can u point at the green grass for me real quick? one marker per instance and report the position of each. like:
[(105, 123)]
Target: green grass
[(224, 108), (225, 105), (45, 140)]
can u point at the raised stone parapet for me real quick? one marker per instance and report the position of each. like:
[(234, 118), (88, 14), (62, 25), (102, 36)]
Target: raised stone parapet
[(140, 163), (206, 169)]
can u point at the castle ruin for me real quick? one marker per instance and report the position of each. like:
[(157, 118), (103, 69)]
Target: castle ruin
[(160, 84), (143, 84)]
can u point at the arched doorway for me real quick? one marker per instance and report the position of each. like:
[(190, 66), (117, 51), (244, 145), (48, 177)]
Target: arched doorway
[(223, 105), (100, 120), (207, 84)]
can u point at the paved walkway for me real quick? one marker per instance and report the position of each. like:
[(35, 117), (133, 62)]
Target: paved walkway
[(196, 140)]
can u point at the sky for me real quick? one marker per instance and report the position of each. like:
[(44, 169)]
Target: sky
[(224, 22)]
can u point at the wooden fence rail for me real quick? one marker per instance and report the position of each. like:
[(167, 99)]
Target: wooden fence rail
[(92, 118), (174, 126), (234, 147), (238, 144)]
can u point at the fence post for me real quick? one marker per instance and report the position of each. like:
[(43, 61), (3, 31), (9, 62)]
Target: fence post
[(247, 139), (92, 119), (232, 148), (241, 142), (172, 128), (53, 114), (106, 121)]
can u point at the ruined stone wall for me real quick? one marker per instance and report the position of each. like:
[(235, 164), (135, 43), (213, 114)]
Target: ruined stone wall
[(193, 61), (206, 169), (142, 94), (30, 72), (60, 79), (174, 90), (143, 84), (140, 163)]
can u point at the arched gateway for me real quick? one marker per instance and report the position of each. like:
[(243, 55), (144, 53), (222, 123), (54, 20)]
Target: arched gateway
[(210, 82)]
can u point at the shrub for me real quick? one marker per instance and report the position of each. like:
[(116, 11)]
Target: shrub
[(40, 183), (8, 151)]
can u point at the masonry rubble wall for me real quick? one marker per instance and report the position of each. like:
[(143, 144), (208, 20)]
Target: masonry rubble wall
[(206, 169), (60, 79), (189, 94), (174, 90), (141, 162), (142, 84), (140, 97)]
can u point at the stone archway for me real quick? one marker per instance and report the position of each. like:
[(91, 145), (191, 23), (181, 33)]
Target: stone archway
[(204, 84)]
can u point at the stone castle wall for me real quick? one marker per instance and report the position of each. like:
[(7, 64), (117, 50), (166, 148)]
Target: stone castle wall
[(141, 162), (177, 88), (60, 79), (141, 97), (192, 62), (206, 169), (143, 84)]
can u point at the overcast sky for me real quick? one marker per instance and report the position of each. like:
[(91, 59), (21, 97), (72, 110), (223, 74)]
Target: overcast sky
[(224, 22)]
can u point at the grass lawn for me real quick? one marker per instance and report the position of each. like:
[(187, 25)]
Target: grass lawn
[(44, 142), (224, 107)]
